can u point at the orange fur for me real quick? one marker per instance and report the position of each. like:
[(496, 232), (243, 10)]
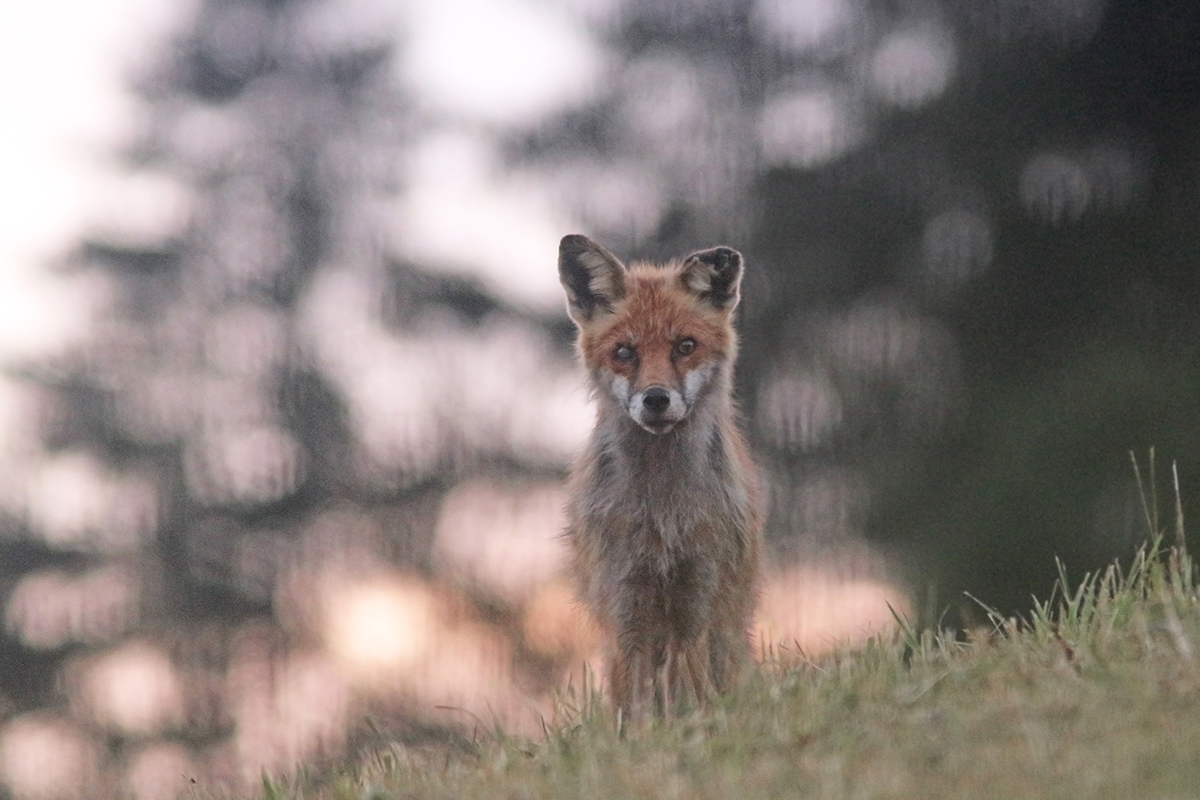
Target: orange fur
[(664, 515)]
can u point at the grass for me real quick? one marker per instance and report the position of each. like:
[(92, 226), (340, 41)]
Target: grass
[(1095, 694)]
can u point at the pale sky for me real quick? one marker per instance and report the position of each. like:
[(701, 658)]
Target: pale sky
[(475, 65), (62, 67), (478, 66)]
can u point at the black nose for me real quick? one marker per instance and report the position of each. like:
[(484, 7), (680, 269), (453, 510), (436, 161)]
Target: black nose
[(656, 400)]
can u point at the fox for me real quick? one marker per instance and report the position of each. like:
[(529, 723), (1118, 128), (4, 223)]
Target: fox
[(664, 505)]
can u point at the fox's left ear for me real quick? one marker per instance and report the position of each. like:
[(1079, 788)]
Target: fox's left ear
[(714, 275)]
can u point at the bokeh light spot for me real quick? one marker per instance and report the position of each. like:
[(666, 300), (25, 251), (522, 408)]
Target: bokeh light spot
[(807, 127)]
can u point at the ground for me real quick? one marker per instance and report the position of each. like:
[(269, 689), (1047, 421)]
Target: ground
[(1094, 694)]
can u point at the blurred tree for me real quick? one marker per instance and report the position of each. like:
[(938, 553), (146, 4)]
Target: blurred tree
[(271, 399)]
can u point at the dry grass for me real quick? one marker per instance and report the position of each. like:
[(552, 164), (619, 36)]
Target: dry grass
[(1095, 694)]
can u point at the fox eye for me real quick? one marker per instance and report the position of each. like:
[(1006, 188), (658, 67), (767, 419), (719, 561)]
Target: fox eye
[(624, 353), (686, 346)]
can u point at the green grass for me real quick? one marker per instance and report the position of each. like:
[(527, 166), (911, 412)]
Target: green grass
[(1095, 694)]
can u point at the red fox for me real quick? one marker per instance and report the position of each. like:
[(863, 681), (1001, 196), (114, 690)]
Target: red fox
[(664, 519)]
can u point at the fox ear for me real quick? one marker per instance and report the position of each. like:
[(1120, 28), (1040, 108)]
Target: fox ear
[(593, 277), (714, 276)]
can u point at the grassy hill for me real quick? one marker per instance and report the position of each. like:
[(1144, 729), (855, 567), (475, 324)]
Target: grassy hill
[(1095, 694)]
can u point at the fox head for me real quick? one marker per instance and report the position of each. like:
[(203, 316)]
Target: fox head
[(656, 339)]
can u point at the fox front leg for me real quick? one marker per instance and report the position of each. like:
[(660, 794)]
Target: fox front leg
[(639, 672)]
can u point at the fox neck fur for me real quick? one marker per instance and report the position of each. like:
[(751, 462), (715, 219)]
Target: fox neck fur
[(660, 486)]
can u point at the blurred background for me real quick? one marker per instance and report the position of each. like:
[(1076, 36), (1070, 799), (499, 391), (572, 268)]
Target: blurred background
[(287, 390)]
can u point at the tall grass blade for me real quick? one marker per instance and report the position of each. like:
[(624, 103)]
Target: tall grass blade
[(1180, 538), (1137, 474)]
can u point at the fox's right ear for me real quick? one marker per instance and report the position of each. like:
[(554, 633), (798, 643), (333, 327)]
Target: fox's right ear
[(593, 278)]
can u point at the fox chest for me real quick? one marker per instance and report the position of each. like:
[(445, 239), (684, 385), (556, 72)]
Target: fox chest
[(668, 541), (665, 512)]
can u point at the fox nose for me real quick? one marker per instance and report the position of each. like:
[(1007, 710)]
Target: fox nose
[(656, 400)]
